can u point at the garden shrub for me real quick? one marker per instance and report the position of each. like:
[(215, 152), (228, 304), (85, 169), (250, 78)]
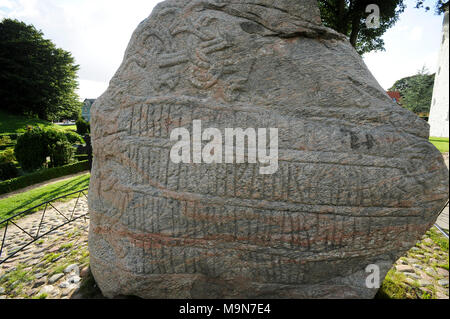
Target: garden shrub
[(31, 149), (61, 153), (5, 140), (83, 127), (74, 138), (7, 156), (8, 170)]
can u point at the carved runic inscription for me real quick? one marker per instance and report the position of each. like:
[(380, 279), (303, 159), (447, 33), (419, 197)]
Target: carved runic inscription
[(199, 60)]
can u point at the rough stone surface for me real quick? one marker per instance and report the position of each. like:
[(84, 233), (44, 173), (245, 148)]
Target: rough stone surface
[(404, 268), (72, 269), (358, 182), (55, 278)]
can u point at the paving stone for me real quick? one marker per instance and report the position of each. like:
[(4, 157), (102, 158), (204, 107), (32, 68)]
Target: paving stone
[(64, 284), (443, 282), (412, 275), (410, 281), (442, 272), (433, 261), (2, 290), (72, 269), (418, 266), (39, 275), (412, 260), (404, 268), (55, 278), (51, 291), (40, 282), (431, 271), (84, 272), (74, 279), (423, 283)]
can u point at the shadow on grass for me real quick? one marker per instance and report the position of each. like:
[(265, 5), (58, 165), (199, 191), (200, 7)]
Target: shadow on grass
[(40, 195)]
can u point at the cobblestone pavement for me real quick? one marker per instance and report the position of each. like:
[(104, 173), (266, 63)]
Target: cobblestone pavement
[(52, 267)]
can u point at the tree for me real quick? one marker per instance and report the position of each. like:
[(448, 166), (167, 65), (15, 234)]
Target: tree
[(416, 91), (439, 6), (36, 77), (349, 17)]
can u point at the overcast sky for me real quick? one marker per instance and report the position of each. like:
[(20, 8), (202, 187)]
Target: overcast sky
[(97, 33)]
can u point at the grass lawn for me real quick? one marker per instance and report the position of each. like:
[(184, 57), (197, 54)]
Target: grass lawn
[(440, 143), (10, 124), (20, 202)]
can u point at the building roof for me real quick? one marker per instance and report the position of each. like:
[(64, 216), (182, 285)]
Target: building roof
[(394, 95)]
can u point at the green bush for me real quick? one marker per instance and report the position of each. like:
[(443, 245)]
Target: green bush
[(74, 138), (42, 176), (83, 127), (7, 156), (31, 149), (5, 140), (7, 171), (61, 153)]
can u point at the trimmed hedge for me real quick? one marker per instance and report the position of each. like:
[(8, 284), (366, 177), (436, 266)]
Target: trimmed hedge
[(82, 157), (42, 176)]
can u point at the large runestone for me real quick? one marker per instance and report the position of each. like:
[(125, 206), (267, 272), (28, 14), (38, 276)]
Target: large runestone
[(358, 182)]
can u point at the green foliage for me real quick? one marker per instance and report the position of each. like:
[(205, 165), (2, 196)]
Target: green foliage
[(37, 78), (5, 140), (439, 5), (61, 153), (42, 176), (74, 138), (349, 18), (416, 91), (438, 238), (393, 287), (16, 279), (7, 156), (8, 170), (31, 149), (83, 127), (59, 149)]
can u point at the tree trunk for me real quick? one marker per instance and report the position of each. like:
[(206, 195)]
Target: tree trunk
[(356, 27), (342, 23)]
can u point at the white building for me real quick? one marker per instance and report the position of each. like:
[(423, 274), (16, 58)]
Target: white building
[(439, 114)]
